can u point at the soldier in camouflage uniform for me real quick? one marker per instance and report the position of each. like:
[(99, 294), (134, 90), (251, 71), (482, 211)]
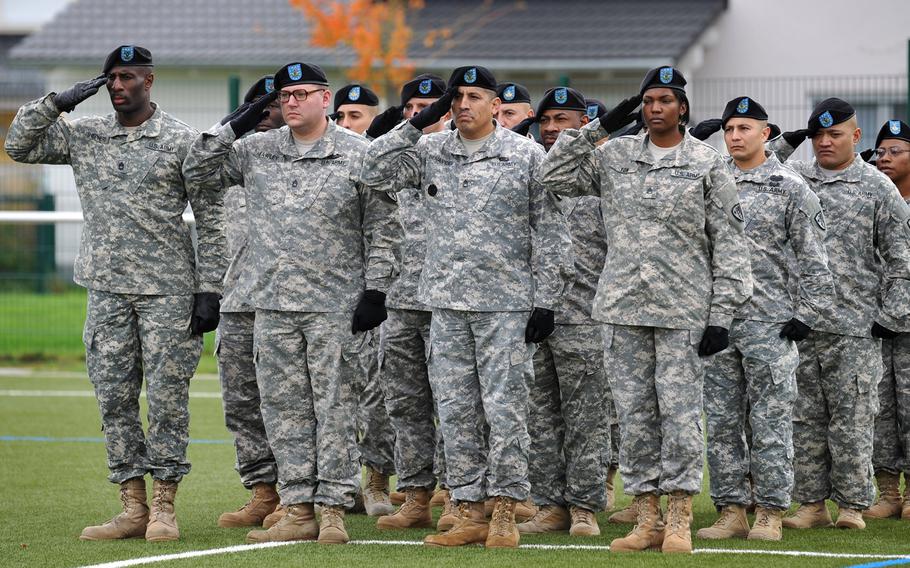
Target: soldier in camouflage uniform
[(148, 300), (312, 222), (868, 245), (493, 258), (786, 228), (234, 349), (677, 269), (568, 409), (891, 445)]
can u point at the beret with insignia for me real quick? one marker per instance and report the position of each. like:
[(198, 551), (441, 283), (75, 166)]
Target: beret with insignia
[(595, 108), (473, 76), (664, 77), (743, 107), (127, 55), (828, 113), (300, 74), (513, 93), (263, 86), (355, 95), (893, 129), (424, 86), (562, 98)]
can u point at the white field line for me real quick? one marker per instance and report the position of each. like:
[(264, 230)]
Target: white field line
[(604, 548), (20, 373), (82, 393)]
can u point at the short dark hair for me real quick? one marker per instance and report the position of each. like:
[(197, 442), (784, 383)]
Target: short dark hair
[(682, 99)]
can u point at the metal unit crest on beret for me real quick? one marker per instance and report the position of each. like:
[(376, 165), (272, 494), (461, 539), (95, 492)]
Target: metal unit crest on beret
[(354, 93), (509, 93), (470, 75), (126, 53), (561, 95), (425, 86), (295, 72), (269, 85), (826, 119), (666, 75), (894, 126), (591, 112), (743, 106)]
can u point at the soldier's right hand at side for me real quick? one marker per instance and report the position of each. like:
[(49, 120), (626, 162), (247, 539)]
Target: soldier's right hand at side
[(704, 129), (252, 115), (796, 137), (434, 112), (384, 122), (715, 340), (524, 126), (68, 99), (620, 115), (795, 330)]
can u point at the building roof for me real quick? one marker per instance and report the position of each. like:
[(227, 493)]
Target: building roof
[(522, 34)]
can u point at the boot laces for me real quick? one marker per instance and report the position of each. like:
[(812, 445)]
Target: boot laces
[(727, 517), (499, 524), (331, 515), (763, 520), (581, 515), (676, 515), (376, 485)]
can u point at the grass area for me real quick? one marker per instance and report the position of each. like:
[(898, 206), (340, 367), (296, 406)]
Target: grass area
[(50, 490), (44, 331)]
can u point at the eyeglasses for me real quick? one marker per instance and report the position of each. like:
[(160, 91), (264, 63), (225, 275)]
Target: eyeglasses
[(893, 151), (300, 95)]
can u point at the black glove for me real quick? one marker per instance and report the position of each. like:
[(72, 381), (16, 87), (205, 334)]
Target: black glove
[(384, 122), (235, 114), (882, 332), (252, 115), (334, 116), (540, 325), (370, 311), (432, 114), (620, 115), (68, 99), (795, 330), (206, 312), (868, 155), (715, 340), (524, 126), (704, 129), (631, 130), (796, 137)]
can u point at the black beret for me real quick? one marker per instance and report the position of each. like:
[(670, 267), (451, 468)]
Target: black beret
[(263, 86), (594, 108), (565, 98), (424, 86), (473, 76), (513, 93), (666, 77), (129, 55), (896, 129), (743, 107), (355, 95), (300, 74), (828, 113)]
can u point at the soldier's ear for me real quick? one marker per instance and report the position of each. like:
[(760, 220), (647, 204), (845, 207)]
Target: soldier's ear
[(149, 79)]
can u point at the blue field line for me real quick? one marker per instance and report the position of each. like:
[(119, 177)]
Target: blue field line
[(894, 562), (90, 440)]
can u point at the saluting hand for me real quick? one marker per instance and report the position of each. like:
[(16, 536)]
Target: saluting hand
[(524, 126), (384, 122), (431, 114), (704, 129), (68, 99), (620, 115), (252, 115)]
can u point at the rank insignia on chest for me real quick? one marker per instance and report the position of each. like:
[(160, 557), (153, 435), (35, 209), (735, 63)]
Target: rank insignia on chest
[(121, 166)]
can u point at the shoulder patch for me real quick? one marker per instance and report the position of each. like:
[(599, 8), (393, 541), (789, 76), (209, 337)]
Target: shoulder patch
[(820, 221), (737, 212)]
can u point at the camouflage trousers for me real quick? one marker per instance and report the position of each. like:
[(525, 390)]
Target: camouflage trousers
[(568, 420), (129, 337), (833, 419), (615, 431), (480, 368), (754, 381), (306, 367), (656, 377), (403, 348), (374, 430), (240, 399), (891, 445)]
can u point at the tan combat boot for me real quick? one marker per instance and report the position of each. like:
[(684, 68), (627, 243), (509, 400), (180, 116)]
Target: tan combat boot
[(732, 523), (376, 494), (809, 516), (627, 516), (525, 510), (549, 518), (397, 498), (849, 519), (449, 514), (413, 514), (905, 511), (584, 522), (503, 532), (272, 518), (471, 527), (261, 504), (611, 489), (889, 502), (678, 534), (649, 528), (767, 524), (439, 498), (162, 519), (131, 522), (298, 523), (331, 529)]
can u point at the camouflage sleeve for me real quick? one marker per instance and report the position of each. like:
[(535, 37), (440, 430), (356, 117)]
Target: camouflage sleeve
[(552, 259), (783, 150), (392, 161), (731, 266), (570, 167), (893, 237), (38, 134), (215, 159), (380, 234), (806, 230)]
